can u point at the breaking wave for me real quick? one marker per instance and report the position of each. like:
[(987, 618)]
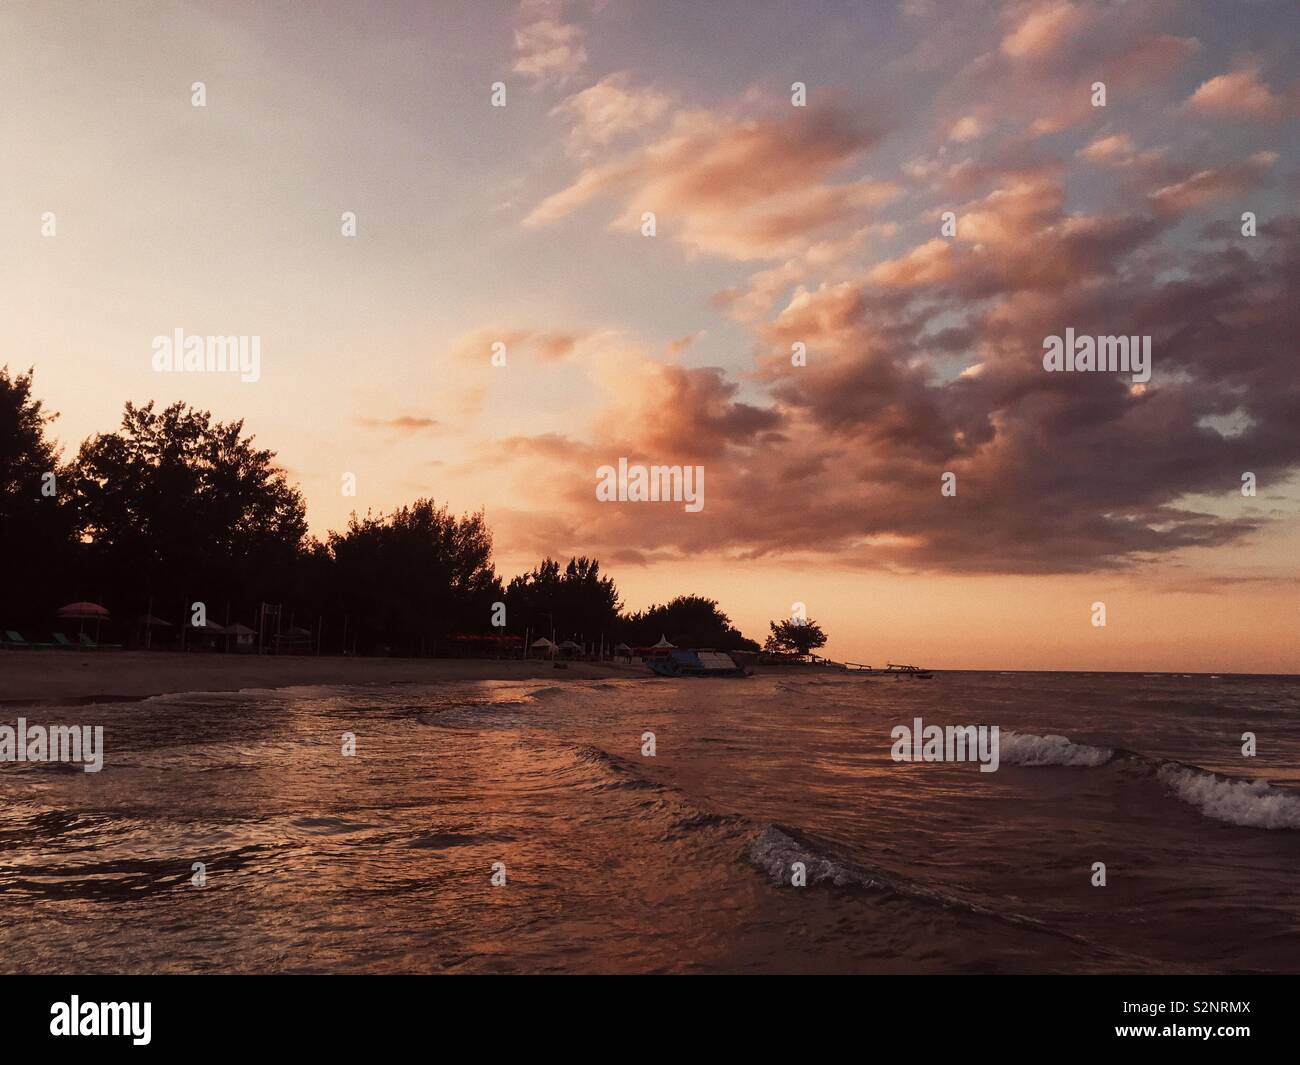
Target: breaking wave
[(667, 811), (611, 771), (1247, 803), (777, 847), (1022, 748)]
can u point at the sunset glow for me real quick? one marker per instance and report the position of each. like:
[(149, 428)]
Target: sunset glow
[(777, 226)]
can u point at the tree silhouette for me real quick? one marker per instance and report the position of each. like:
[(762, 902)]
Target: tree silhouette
[(687, 621), (36, 528), (794, 637), (410, 580), (181, 508), (175, 508), (576, 602)]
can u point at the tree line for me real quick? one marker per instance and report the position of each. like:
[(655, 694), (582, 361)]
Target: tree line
[(174, 508)]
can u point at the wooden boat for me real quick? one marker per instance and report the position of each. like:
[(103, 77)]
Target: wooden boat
[(914, 672), (841, 667)]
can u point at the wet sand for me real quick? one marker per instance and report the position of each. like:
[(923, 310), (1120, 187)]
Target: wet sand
[(43, 676)]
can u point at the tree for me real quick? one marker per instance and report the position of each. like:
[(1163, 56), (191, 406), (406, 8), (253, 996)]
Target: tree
[(36, 526), (688, 621), (794, 637), (415, 577), (182, 508), (576, 602)]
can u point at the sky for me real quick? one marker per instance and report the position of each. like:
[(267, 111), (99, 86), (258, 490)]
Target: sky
[(784, 221)]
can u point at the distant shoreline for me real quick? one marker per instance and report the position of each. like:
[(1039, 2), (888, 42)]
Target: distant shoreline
[(33, 678), (42, 677)]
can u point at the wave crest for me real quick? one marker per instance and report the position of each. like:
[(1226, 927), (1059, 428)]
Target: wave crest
[(1246, 803), (1249, 803), (1023, 748)]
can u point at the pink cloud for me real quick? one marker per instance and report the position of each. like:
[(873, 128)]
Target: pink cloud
[(739, 189), (1240, 94), (549, 49)]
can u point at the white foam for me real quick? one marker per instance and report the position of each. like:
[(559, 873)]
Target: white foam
[(1023, 748), (774, 851), (1252, 803)]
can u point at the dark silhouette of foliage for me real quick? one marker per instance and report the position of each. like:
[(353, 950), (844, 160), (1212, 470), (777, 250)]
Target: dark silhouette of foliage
[(184, 509), (794, 637), (175, 509), (687, 621), (577, 602), (413, 578), (36, 528)]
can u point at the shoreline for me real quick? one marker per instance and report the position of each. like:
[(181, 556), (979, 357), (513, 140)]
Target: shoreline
[(37, 678), (52, 677)]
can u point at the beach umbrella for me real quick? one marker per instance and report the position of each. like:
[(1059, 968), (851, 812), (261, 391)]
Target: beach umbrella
[(663, 642), (83, 612)]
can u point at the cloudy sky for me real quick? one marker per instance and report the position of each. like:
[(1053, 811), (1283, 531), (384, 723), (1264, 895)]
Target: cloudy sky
[(775, 226)]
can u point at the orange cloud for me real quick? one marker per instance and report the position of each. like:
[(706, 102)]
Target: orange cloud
[(1213, 183), (1239, 94), (405, 423), (739, 189), (1045, 31), (1113, 150), (545, 346)]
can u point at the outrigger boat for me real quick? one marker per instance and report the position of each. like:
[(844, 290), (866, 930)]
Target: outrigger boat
[(690, 663), (841, 667), (915, 672)]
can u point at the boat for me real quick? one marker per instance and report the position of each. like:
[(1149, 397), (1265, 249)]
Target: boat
[(915, 672), (840, 667), (692, 663)]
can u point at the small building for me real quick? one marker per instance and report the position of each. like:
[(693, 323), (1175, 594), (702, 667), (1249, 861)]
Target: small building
[(241, 638)]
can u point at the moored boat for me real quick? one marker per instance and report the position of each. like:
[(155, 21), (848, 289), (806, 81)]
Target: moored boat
[(688, 662), (915, 672)]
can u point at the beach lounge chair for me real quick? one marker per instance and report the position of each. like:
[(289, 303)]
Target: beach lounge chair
[(15, 640), (62, 641), (91, 645)]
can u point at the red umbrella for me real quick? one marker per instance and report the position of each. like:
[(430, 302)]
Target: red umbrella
[(84, 612)]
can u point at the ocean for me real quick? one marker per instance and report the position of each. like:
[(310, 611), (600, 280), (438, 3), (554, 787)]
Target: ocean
[(522, 826)]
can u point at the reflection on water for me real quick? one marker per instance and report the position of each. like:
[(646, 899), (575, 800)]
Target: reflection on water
[(314, 861)]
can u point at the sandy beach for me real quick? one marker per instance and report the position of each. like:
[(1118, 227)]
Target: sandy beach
[(48, 676)]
